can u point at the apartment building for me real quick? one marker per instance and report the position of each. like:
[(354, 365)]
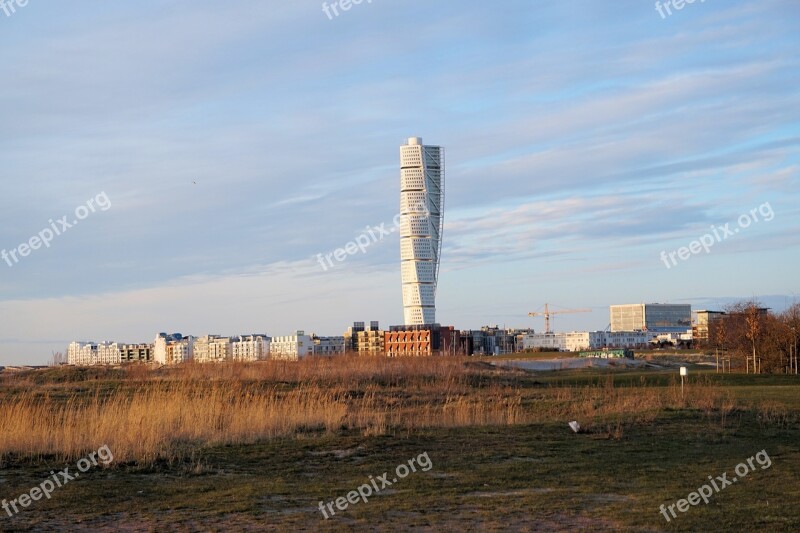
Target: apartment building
[(365, 340), (292, 347), (136, 353), (576, 341), (422, 339), (212, 349), (327, 345), (82, 353), (705, 325), (171, 349), (250, 348)]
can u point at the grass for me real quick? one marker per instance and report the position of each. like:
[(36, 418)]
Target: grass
[(256, 447)]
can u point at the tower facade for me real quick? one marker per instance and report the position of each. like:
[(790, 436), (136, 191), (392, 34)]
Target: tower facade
[(421, 223)]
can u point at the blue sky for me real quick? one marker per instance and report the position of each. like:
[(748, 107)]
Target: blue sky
[(236, 141)]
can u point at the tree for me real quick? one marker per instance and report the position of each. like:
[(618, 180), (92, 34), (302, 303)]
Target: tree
[(744, 331), (791, 321), (753, 330)]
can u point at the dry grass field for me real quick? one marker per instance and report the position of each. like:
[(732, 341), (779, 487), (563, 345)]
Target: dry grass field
[(145, 416), (185, 423)]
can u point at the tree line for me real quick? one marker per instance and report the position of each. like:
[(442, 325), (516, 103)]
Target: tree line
[(755, 339)]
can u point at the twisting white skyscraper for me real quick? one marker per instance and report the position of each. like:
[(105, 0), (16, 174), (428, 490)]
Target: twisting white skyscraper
[(421, 222)]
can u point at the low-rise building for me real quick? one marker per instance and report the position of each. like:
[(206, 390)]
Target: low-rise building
[(576, 341), (544, 341), (683, 340), (627, 339)]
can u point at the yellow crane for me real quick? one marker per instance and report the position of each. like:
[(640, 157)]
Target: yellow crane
[(547, 312)]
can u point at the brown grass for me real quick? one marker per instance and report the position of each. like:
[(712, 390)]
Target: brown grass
[(145, 415)]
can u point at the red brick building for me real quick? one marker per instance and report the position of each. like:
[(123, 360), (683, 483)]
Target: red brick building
[(428, 339)]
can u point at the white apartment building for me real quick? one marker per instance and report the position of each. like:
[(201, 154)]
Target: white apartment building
[(577, 341), (292, 347), (81, 353), (211, 349), (628, 339), (250, 348), (108, 353), (172, 349), (180, 352), (550, 341)]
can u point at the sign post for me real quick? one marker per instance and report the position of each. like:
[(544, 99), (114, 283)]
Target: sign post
[(684, 373)]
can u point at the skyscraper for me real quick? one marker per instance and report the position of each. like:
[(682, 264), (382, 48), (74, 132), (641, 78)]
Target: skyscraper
[(421, 222)]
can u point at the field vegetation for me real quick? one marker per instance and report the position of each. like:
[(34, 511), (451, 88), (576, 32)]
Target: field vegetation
[(232, 446)]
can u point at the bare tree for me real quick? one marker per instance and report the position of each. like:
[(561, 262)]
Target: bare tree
[(57, 359), (791, 320), (753, 321)]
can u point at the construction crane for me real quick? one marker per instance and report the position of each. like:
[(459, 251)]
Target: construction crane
[(547, 312)]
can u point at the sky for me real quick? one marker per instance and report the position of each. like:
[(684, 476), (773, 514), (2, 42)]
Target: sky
[(187, 161)]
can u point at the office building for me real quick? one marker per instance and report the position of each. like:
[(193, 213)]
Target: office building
[(661, 318)]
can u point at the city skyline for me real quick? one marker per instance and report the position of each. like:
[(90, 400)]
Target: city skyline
[(210, 155)]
